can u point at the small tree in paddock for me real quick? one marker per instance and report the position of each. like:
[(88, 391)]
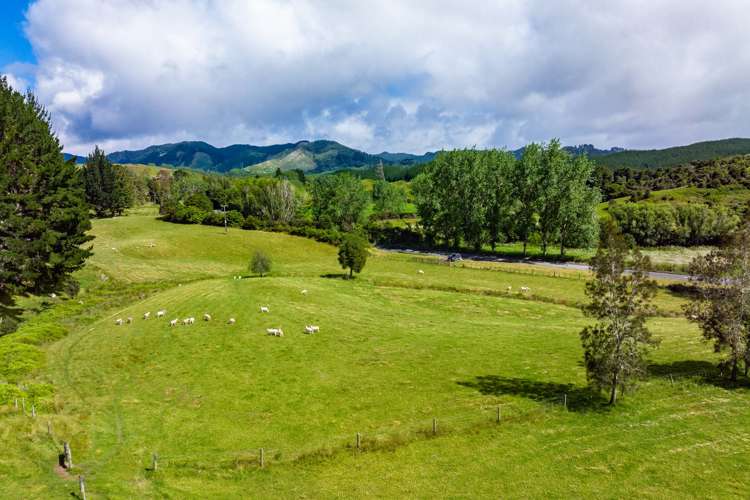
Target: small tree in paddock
[(353, 253), (615, 347), (722, 305), (260, 263)]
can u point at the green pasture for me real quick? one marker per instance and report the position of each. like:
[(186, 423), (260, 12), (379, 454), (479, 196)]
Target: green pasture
[(397, 349)]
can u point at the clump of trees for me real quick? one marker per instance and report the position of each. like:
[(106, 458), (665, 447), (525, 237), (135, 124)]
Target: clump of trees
[(110, 189), (485, 197), (721, 307), (389, 199), (679, 224), (353, 252), (43, 214), (339, 201), (615, 347), (261, 263)]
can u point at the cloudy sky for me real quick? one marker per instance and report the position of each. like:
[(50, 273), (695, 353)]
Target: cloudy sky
[(394, 75)]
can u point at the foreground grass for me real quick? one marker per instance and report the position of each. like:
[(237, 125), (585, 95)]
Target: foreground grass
[(396, 349)]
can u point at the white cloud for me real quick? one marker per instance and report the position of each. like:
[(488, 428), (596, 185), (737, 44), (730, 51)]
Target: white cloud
[(410, 76)]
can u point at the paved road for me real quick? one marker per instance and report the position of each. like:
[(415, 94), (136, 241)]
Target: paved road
[(659, 275)]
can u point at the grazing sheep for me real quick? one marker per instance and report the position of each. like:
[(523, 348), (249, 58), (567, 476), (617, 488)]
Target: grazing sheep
[(304, 292), (312, 329), (161, 313), (420, 271), (118, 321), (53, 295), (146, 315), (264, 309), (206, 317), (509, 289), (525, 289), (173, 322), (276, 332), (231, 321), (130, 320)]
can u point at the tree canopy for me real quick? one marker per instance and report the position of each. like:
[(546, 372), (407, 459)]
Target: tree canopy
[(43, 213)]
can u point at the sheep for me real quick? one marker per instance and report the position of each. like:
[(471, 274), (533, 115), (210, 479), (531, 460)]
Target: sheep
[(264, 309), (231, 321), (276, 332), (525, 289), (191, 320), (118, 321), (304, 292), (420, 271), (509, 289), (146, 315), (206, 317), (161, 313), (130, 320), (173, 322), (312, 329)]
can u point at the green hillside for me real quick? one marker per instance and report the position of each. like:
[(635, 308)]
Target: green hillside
[(396, 349), (654, 158)]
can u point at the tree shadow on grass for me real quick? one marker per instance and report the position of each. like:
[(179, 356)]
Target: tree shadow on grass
[(335, 276), (578, 398), (704, 372)]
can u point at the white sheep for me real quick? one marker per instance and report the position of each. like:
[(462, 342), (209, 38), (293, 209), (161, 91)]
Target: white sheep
[(118, 321), (231, 321), (206, 317), (161, 313), (304, 292), (525, 289), (312, 329), (173, 322), (276, 332), (146, 315), (420, 271), (265, 309), (509, 289)]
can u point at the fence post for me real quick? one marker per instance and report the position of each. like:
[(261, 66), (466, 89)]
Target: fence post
[(154, 462), (23, 405), (33, 411), (16, 404), (434, 426), (49, 428), (565, 400), (262, 458), (671, 380), (82, 487), (68, 460), (359, 441), (498, 414)]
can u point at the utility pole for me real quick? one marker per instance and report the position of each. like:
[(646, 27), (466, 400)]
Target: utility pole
[(225, 218)]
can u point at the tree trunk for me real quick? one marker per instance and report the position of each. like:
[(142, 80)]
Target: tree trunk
[(733, 376), (351, 271), (524, 247), (562, 248), (613, 391)]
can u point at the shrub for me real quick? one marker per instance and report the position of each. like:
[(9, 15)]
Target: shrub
[(260, 263)]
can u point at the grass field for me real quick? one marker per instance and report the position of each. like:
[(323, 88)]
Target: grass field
[(397, 348)]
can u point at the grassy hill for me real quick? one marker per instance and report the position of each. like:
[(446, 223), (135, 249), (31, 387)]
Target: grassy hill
[(397, 348), (680, 155)]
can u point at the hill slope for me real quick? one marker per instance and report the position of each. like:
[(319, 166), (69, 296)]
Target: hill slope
[(654, 158)]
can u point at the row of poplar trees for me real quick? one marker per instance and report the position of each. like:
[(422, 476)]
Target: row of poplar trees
[(485, 197)]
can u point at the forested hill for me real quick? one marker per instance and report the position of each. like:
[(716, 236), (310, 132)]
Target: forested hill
[(670, 157), (318, 156)]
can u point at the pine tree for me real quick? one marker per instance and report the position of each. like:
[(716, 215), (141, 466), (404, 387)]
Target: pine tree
[(109, 188), (616, 346), (43, 214)]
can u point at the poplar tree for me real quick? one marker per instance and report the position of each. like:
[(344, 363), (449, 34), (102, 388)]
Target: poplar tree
[(615, 347), (526, 178), (43, 214)]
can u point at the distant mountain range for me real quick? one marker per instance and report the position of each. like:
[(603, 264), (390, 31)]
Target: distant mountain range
[(324, 156)]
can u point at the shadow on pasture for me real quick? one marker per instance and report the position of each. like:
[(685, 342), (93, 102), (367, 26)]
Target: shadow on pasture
[(699, 370), (578, 398), (335, 276)]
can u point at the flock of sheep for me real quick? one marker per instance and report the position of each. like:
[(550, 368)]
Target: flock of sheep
[(276, 332)]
